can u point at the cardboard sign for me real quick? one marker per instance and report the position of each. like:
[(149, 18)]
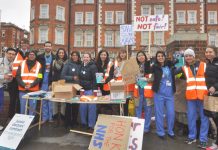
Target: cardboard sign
[(111, 132), (127, 35), (15, 131), (130, 71), (151, 23)]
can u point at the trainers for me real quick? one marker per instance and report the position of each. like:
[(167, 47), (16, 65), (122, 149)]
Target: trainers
[(213, 147), (203, 145), (190, 141)]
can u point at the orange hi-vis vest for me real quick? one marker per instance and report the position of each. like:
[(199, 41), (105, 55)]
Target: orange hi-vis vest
[(148, 92), (196, 86), (106, 86), (29, 76), (17, 61)]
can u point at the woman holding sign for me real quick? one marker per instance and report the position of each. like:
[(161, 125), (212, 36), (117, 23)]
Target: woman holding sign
[(103, 77), (140, 87)]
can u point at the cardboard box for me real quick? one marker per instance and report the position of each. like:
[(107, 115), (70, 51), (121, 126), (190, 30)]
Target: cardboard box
[(65, 90), (117, 89)]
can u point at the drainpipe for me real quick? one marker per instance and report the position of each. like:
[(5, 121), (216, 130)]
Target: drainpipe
[(69, 29)]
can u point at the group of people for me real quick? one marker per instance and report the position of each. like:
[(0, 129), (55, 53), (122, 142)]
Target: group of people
[(25, 71)]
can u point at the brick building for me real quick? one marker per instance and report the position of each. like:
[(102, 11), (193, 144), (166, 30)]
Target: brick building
[(11, 35), (93, 25)]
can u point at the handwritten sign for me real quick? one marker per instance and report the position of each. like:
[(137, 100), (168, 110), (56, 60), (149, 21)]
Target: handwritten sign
[(111, 132), (15, 131), (151, 23), (127, 35)]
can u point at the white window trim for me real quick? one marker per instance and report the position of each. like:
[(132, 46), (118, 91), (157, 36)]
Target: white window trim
[(144, 6), (106, 22), (92, 41), (195, 12), (39, 40), (209, 39), (122, 18), (78, 1), (32, 36), (41, 17), (63, 14), (180, 1), (177, 12), (143, 42), (215, 18), (109, 1), (155, 6), (76, 22), (112, 45), (86, 20), (211, 1), (32, 13), (75, 41), (120, 1), (56, 38), (92, 2), (191, 1), (155, 42)]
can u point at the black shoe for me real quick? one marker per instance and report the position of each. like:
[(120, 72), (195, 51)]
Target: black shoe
[(162, 137), (202, 145), (190, 141), (172, 136)]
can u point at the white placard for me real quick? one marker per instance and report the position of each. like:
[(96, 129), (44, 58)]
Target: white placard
[(15, 131), (127, 35), (151, 23)]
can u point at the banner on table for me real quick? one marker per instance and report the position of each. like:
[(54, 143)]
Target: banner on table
[(151, 23), (15, 131), (127, 35)]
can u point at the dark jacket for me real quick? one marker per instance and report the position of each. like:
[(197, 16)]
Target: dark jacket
[(55, 74), (157, 73), (87, 76), (41, 59), (70, 70), (19, 79), (211, 74)]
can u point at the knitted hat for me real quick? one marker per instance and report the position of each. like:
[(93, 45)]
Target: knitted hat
[(189, 52)]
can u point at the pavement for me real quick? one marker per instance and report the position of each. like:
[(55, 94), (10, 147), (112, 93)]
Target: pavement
[(59, 138)]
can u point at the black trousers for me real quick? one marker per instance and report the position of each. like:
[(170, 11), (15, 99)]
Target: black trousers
[(14, 106), (71, 114), (216, 122)]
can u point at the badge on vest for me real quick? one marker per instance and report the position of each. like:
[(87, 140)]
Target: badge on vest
[(73, 69), (168, 83)]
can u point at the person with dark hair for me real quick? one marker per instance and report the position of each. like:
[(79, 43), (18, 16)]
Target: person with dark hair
[(140, 87), (70, 73), (45, 60), (211, 77), (164, 89), (55, 75), (88, 82), (29, 75), (104, 66), (5, 78)]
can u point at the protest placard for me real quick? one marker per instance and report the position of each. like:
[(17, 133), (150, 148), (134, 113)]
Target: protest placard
[(15, 131), (111, 132), (129, 71), (127, 35), (151, 23)]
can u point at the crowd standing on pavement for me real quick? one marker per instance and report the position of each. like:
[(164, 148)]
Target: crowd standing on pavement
[(26, 71)]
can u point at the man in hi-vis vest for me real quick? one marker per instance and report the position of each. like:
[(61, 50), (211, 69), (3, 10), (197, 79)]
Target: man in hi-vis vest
[(29, 75), (196, 89)]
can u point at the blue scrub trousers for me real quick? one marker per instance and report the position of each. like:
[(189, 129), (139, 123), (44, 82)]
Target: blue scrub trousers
[(1, 98), (32, 104), (194, 107), (147, 110), (161, 100), (88, 110)]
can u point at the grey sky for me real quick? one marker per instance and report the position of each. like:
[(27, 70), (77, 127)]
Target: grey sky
[(16, 11)]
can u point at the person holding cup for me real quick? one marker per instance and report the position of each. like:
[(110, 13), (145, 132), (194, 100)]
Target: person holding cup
[(70, 73)]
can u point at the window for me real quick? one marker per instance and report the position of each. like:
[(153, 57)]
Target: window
[(32, 36), (212, 17), (117, 37), (191, 1), (109, 17), (43, 34), (109, 39), (79, 18), (89, 1), (144, 38), (211, 1), (158, 9), (159, 38), (3, 33), (180, 1), (180, 17), (212, 39), (192, 17), (59, 36), (119, 17), (79, 1), (145, 10), (89, 40), (89, 17), (109, 1), (32, 13), (78, 42), (120, 1), (44, 11), (60, 11)]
